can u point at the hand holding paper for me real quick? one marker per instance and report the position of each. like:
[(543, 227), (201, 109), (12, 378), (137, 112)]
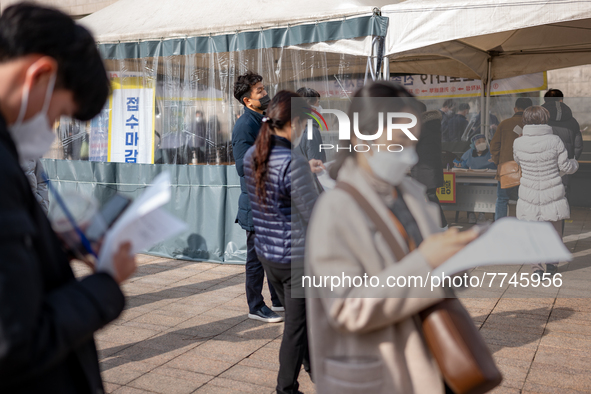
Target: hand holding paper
[(143, 224), (509, 241), (325, 180)]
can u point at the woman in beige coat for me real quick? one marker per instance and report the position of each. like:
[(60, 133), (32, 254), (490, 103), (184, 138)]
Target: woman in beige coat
[(367, 338)]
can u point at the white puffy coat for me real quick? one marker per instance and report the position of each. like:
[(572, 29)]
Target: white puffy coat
[(543, 160)]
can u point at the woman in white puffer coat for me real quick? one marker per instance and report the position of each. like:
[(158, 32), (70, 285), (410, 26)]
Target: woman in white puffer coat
[(543, 160)]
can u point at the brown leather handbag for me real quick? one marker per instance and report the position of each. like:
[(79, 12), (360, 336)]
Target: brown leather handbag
[(509, 174), (464, 359)]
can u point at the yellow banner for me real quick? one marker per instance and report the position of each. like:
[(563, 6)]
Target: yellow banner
[(447, 193)]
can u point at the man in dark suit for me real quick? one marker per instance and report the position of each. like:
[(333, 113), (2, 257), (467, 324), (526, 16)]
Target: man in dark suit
[(49, 67), (250, 92)]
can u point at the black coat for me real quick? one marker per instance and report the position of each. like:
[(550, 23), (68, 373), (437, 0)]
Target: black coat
[(456, 126), (311, 148), (428, 170), (47, 317), (245, 132), (566, 127)]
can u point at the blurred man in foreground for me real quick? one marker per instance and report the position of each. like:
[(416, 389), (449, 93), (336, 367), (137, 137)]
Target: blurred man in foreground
[(49, 67)]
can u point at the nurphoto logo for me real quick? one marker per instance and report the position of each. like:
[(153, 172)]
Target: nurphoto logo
[(393, 120)]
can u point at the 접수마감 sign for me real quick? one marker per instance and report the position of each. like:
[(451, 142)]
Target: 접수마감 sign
[(131, 121)]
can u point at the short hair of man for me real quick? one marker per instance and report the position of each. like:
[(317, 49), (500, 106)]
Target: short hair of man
[(449, 103), (464, 106), (536, 114), (244, 84), (27, 29), (309, 94), (523, 103), (553, 95)]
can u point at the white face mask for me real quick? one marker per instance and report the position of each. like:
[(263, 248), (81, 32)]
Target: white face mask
[(392, 167), (481, 147), (33, 137), (318, 108)]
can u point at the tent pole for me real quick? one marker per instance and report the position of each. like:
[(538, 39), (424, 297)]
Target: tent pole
[(379, 63), (482, 103), (386, 69), (486, 115)]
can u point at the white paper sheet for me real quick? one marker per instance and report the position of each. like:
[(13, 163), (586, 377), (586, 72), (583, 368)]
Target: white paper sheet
[(518, 130), (144, 223), (325, 180), (509, 241)]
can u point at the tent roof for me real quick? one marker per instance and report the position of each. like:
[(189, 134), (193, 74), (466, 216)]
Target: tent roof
[(457, 37), (131, 20)]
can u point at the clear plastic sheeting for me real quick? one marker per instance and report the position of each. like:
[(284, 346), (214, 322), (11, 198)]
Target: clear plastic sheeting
[(193, 109), (502, 107), (178, 112)]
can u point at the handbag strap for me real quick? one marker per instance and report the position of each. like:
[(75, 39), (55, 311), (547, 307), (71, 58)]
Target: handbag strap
[(375, 217)]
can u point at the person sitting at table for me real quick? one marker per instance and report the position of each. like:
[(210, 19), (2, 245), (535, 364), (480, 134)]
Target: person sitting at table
[(477, 158)]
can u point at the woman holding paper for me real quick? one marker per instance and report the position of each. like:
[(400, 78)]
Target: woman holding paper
[(365, 338), (543, 160), (282, 194)]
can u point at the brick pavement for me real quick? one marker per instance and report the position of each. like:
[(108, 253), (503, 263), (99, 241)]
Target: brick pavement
[(185, 330)]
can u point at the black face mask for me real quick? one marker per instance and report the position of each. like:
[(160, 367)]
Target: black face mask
[(265, 100)]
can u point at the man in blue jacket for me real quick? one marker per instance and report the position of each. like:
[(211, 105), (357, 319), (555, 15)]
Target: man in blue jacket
[(249, 91)]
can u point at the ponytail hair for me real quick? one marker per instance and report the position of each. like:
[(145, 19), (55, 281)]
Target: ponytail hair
[(278, 114)]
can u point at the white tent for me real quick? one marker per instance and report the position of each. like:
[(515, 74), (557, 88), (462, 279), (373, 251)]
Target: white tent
[(489, 39), (192, 45), (141, 20), (460, 37), (187, 55)]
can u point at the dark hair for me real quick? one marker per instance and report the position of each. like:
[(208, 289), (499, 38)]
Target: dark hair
[(309, 94), (422, 106), (449, 103), (366, 106), (553, 95), (536, 114), (244, 84), (464, 106), (27, 29), (278, 114), (523, 103)]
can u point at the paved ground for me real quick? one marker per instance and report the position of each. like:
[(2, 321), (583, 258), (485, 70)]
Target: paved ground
[(185, 330)]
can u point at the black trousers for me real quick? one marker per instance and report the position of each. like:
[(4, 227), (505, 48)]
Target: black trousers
[(294, 346), (255, 276), (432, 196)]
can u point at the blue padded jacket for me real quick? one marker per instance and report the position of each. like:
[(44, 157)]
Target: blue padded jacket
[(281, 220)]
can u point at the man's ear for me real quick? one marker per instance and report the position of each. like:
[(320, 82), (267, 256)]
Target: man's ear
[(41, 69)]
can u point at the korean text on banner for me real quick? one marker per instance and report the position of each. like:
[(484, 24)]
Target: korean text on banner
[(440, 86), (447, 192), (131, 121)]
